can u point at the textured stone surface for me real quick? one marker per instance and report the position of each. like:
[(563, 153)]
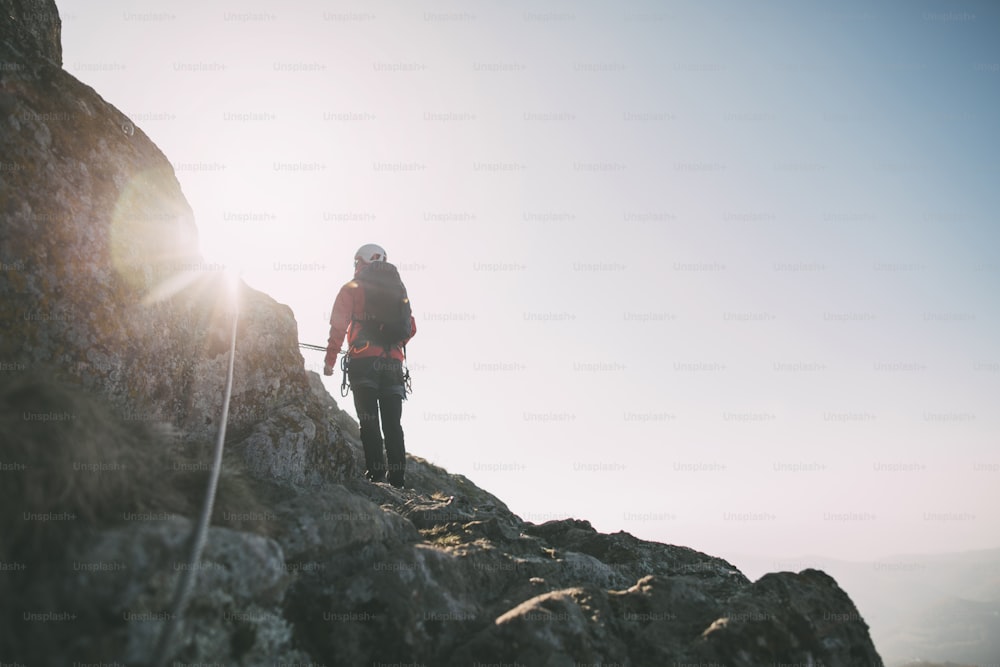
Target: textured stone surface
[(102, 280), (32, 28), (235, 607)]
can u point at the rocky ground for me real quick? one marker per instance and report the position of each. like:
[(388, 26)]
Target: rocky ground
[(354, 573), (114, 346)]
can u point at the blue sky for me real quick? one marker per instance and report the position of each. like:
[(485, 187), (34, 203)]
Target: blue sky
[(715, 275)]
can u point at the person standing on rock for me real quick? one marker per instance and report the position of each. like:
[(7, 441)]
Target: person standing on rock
[(373, 312)]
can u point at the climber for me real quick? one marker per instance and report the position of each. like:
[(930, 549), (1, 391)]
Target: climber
[(373, 312)]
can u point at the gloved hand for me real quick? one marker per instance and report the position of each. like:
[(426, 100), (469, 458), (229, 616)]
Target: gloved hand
[(328, 370)]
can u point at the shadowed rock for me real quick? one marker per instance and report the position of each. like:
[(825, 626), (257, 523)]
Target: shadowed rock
[(32, 29)]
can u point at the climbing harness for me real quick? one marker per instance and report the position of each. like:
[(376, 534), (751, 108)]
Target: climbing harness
[(407, 382), (345, 384), (345, 363)]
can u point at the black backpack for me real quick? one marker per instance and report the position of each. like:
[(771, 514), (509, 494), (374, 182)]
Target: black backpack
[(386, 320)]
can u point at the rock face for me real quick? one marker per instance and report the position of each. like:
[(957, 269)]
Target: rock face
[(305, 562), (352, 573), (32, 28), (102, 279)]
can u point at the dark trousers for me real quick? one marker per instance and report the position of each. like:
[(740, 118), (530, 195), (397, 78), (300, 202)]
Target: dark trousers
[(377, 385)]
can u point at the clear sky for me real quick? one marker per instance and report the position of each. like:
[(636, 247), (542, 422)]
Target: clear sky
[(716, 275)]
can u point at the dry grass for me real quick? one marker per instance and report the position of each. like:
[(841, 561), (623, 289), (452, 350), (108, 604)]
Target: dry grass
[(70, 464)]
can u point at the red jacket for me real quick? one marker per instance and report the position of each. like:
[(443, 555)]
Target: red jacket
[(349, 307)]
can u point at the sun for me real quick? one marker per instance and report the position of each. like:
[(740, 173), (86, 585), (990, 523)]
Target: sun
[(236, 252)]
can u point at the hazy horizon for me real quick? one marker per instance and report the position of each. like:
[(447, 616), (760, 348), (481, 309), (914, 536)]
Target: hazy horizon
[(718, 276)]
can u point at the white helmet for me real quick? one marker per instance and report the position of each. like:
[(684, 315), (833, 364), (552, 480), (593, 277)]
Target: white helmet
[(369, 253)]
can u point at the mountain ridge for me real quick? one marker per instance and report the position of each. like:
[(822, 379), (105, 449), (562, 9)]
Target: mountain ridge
[(115, 341)]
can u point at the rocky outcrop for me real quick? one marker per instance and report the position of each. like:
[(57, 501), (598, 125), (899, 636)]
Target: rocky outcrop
[(116, 335), (32, 29), (353, 573), (102, 280)]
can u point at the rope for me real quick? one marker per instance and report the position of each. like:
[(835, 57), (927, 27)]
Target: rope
[(200, 533), (310, 346)]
